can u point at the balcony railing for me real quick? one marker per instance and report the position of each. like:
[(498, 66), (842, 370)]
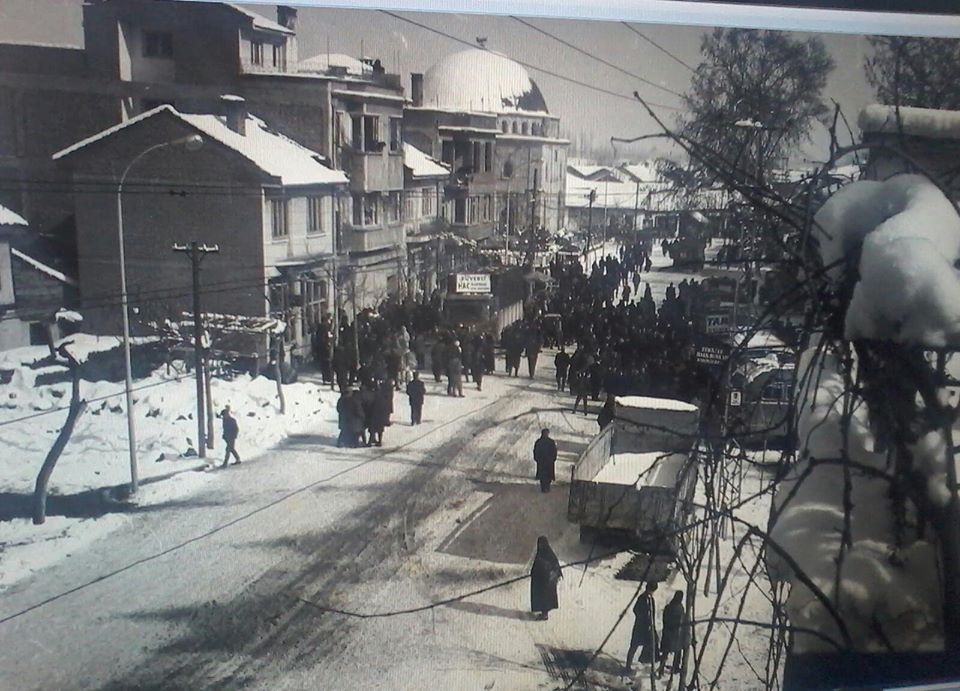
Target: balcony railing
[(360, 239), (372, 171)]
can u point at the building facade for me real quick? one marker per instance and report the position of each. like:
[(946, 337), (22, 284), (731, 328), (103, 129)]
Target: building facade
[(264, 201)]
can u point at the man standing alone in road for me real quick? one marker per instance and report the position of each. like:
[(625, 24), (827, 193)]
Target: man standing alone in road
[(545, 456), (416, 392), (230, 432), (562, 363)]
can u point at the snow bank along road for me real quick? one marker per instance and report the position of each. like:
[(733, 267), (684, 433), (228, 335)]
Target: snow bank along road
[(209, 591)]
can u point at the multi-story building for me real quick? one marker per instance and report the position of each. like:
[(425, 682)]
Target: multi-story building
[(481, 114), (424, 181), (266, 202)]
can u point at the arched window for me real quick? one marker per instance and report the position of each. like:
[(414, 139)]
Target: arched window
[(525, 131), (508, 169), (504, 126), (514, 126)]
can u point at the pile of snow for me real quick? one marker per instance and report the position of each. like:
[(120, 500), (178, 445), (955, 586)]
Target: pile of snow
[(97, 455), (903, 238), (649, 469), (887, 591), (650, 403)]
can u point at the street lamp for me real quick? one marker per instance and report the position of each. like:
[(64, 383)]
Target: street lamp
[(190, 143)]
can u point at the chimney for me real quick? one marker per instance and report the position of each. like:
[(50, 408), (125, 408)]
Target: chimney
[(235, 110), (416, 89), (287, 16)]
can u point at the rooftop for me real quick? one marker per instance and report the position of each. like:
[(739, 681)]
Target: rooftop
[(9, 218), (421, 165), (272, 152), (482, 81)]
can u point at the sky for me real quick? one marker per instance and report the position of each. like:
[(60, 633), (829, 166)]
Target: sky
[(585, 115)]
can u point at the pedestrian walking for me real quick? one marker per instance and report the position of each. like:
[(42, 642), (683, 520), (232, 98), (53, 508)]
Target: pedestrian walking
[(544, 576), (532, 348), (380, 409), (580, 387), (231, 431), (479, 369), (673, 633), (455, 370), (545, 456), (608, 412), (438, 359), (643, 637), (562, 363), (416, 392)]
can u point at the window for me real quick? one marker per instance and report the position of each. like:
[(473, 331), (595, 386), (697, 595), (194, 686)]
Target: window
[(447, 152), (371, 133), (504, 126), (426, 208), (474, 210), (395, 134), (314, 295), (280, 55), (508, 169), (488, 157), (409, 206), (460, 210), (487, 206), (366, 210), (314, 215), (256, 52), (157, 44), (394, 205), (476, 152), (278, 218), (514, 126), (525, 131)]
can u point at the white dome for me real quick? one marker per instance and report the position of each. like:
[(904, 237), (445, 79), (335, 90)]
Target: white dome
[(483, 81)]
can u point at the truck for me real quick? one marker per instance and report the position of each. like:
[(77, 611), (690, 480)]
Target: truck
[(484, 302), (633, 485)]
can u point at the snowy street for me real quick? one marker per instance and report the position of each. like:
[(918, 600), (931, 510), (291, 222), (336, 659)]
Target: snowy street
[(209, 590)]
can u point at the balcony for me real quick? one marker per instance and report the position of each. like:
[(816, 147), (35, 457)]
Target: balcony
[(473, 231), (357, 239), (373, 171)]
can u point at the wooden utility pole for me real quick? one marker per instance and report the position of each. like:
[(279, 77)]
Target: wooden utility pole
[(636, 207), (586, 252), (196, 252)]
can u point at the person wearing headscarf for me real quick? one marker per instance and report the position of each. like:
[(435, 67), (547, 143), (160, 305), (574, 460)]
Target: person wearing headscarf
[(544, 576), (643, 637), (674, 632)]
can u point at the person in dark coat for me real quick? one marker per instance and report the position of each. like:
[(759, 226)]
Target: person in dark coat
[(478, 369), (674, 631), (347, 410), (380, 405), (489, 355), (438, 359), (367, 398), (544, 576), (231, 430), (455, 370), (562, 363), (607, 413), (514, 347), (532, 348), (416, 392), (643, 637), (580, 387), (545, 456)]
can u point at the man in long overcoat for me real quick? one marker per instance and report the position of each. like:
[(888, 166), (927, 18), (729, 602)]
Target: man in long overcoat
[(545, 456), (544, 576), (643, 637), (416, 392)]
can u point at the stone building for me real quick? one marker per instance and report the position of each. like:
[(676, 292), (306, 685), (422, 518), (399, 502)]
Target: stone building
[(481, 114)]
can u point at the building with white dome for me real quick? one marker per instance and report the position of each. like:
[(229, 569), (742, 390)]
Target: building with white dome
[(481, 113)]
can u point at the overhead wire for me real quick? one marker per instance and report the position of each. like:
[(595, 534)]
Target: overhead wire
[(528, 65), (658, 46)]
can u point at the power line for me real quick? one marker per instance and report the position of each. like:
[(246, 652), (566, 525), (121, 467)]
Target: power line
[(597, 58), (537, 68), (657, 46)]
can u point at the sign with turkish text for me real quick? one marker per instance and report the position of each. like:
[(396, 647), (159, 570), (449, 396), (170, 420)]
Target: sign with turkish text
[(473, 284), (717, 323), (711, 355)]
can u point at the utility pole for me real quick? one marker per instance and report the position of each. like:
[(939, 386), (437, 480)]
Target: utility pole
[(586, 252), (636, 207), (196, 253)]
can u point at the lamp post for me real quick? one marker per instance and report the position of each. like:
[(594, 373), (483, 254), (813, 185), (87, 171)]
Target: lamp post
[(191, 143)]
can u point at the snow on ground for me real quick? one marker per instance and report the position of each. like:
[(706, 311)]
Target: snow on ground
[(97, 456)]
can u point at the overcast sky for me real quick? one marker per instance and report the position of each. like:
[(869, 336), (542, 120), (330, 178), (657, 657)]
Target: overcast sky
[(583, 112)]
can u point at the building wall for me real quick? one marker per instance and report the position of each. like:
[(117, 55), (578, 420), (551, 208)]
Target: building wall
[(227, 212), (38, 295), (298, 243), (6, 274)]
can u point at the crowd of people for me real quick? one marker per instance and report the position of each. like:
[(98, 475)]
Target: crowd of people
[(623, 345)]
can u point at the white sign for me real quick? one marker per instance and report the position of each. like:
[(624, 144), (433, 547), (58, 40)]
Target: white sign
[(735, 398), (717, 323), (473, 283)]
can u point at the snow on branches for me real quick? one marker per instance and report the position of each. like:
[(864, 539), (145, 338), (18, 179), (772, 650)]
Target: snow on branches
[(900, 240)]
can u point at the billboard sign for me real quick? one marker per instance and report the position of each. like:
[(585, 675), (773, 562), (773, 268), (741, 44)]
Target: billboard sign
[(472, 284)]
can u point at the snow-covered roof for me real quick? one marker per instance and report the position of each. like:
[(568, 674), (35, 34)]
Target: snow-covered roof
[(591, 171), (9, 218), (917, 122), (650, 403), (270, 151), (324, 62), (645, 171), (259, 21), (370, 95), (421, 165), (43, 268), (484, 81)]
